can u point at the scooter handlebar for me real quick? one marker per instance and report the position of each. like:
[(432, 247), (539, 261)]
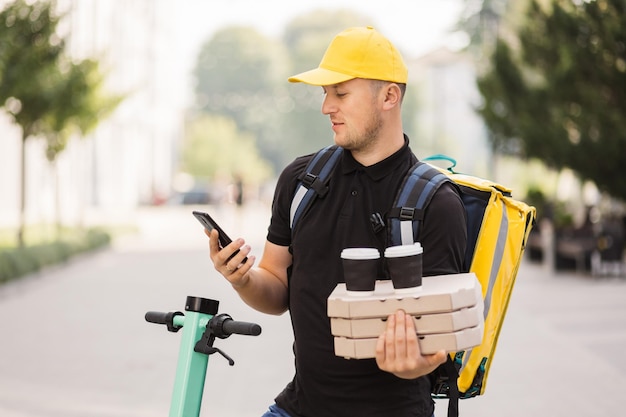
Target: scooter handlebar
[(169, 319), (156, 317), (222, 325), (231, 326)]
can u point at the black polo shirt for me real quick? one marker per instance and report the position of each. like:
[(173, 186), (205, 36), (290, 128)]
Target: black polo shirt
[(324, 384)]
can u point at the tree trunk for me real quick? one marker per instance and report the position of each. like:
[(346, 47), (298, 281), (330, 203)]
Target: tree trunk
[(57, 198), (22, 220)]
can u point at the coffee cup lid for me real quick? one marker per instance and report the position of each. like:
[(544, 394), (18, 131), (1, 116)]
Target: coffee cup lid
[(403, 250), (360, 253)]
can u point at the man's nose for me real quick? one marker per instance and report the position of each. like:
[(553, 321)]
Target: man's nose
[(328, 106)]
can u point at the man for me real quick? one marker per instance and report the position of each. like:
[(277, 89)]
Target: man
[(363, 77)]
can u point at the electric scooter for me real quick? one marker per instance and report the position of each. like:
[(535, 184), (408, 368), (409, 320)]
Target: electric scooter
[(202, 326)]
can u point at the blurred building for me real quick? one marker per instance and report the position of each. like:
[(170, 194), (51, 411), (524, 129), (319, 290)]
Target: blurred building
[(446, 119), (129, 159)]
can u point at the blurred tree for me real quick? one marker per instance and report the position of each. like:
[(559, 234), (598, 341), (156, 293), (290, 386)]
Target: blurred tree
[(557, 92), (241, 74), (481, 20), (29, 52), (79, 105), (215, 149), (46, 94)]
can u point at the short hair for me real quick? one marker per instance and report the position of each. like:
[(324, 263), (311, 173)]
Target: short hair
[(378, 84)]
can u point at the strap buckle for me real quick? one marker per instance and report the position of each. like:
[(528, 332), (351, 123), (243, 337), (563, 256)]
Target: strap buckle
[(313, 181), (406, 213)]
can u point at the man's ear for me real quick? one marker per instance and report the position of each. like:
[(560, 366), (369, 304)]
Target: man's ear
[(393, 96)]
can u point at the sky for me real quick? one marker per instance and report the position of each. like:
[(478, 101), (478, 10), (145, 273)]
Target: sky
[(414, 26)]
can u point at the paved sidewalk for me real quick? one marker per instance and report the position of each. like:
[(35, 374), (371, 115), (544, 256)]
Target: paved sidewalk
[(74, 342)]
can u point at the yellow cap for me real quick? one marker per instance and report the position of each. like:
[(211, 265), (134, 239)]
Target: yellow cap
[(359, 52)]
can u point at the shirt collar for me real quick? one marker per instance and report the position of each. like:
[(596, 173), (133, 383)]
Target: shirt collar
[(380, 169)]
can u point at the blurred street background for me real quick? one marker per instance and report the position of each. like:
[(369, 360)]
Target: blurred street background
[(75, 343), (118, 118)]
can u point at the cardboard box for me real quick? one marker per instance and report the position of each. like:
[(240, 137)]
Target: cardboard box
[(424, 324), (438, 294), (429, 344)]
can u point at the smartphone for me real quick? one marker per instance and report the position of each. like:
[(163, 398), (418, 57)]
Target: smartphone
[(210, 224)]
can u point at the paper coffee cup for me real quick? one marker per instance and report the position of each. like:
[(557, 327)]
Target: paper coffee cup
[(360, 270), (404, 264)]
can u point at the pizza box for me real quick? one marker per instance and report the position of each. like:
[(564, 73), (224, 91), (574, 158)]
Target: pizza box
[(438, 294), (429, 343), (424, 324)]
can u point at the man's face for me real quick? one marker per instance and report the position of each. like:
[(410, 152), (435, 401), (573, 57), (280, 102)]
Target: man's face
[(354, 110)]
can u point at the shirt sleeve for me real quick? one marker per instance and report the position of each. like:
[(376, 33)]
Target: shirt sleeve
[(444, 233)]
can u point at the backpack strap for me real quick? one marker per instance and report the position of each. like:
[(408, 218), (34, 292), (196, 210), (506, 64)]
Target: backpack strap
[(418, 187), (313, 182), (417, 190)]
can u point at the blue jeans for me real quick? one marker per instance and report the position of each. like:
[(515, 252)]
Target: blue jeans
[(275, 411)]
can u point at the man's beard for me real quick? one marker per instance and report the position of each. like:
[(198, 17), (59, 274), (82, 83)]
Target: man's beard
[(368, 138)]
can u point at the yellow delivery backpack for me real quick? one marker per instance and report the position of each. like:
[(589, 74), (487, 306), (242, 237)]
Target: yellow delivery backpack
[(497, 231)]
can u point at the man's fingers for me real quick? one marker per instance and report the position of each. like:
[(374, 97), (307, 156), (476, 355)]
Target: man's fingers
[(388, 335), (398, 351), (223, 259), (213, 242), (412, 345), (437, 358), (401, 334), (384, 347)]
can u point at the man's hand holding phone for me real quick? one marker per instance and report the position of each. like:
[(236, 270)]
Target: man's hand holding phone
[(229, 258), (231, 261)]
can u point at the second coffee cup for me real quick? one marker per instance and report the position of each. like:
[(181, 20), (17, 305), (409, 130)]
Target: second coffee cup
[(360, 269), (404, 263)]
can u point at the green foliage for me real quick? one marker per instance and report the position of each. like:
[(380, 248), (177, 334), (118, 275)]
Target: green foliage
[(239, 74), (215, 149), (237, 60), (16, 262), (559, 92), (479, 18), (44, 91), (81, 103), (29, 53)]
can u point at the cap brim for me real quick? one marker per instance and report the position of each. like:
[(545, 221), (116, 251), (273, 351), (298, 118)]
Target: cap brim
[(320, 76)]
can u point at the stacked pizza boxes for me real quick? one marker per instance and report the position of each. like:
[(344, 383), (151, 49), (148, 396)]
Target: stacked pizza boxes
[(447, 311)]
